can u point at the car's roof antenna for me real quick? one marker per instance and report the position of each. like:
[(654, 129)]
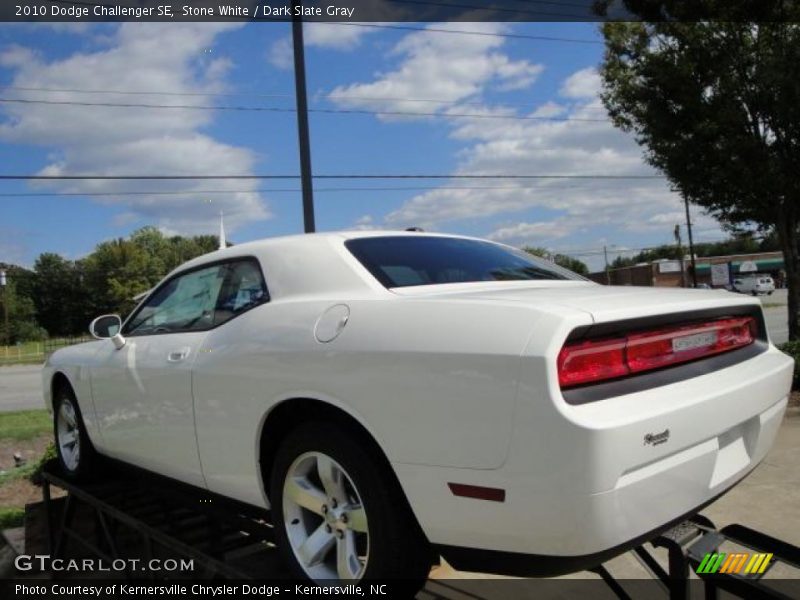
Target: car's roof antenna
[(414, 229), (223, 243)]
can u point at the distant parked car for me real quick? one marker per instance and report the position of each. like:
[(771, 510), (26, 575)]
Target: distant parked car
[(393, 397), (760, 284)]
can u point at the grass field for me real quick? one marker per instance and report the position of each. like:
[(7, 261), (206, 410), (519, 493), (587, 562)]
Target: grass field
[(24, 424), (28, 434)]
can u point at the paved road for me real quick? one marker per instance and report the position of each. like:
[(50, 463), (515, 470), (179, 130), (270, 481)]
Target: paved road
[(776, 316), (20, 388)]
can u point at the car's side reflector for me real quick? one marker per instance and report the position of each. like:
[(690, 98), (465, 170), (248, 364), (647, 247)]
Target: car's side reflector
[(591, 361), (477, 491)]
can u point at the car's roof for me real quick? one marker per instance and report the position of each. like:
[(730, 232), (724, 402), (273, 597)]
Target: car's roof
[(320, 254), (310, 239)]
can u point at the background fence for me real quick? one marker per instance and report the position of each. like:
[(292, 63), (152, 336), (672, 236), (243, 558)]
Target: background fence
[(35, 352)]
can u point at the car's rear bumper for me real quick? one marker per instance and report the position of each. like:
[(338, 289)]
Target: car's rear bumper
[(581, 481), (518, 564)]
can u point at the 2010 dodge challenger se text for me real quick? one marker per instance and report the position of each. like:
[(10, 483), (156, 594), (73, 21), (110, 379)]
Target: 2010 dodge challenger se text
[(392, 397)]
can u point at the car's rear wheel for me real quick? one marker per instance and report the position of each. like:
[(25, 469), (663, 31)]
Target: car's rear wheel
[(336, 511), (75, 452)]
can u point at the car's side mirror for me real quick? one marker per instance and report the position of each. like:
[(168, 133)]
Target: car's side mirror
[(107, 327)]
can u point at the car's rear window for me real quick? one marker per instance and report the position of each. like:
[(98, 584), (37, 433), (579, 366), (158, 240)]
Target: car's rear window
[(402, 261)]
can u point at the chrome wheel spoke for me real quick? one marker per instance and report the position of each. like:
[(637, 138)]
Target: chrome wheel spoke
[(68, 435), (314, 550), (324, 519), (348, 565), (69, 414), (357, 519), (306, 495), (331, 477), (69, 438)]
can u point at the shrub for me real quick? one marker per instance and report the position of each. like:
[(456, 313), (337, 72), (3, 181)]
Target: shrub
[(35, 476), (11, 517)]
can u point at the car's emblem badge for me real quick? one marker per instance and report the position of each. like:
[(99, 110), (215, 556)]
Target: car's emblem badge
[(654, 439)]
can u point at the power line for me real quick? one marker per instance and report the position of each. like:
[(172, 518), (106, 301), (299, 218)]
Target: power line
[(276, 109), (497, 9), (389, 176), (280, 190), (13, 88), (519, 36)]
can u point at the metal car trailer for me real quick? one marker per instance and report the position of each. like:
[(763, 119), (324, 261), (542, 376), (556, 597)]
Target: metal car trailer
[(134, 513)]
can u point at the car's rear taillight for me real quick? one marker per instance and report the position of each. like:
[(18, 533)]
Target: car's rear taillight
[(591, 361)]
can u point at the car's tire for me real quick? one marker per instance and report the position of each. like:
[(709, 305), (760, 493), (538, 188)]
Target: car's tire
[(76, 455), (378, 537)]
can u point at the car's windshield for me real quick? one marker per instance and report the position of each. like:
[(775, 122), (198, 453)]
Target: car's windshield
[(401, 261)]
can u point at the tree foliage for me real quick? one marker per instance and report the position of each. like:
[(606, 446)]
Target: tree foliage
[(562, 260), (60, 297), (740, 245), (716, 107)]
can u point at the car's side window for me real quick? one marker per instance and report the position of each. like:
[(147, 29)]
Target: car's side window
[(243, 289), (201, 299), (186, 303)]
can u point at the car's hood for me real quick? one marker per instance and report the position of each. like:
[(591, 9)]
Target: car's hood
[(604, 303)]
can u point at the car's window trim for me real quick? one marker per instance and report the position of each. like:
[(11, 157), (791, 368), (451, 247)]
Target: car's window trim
[(224, 261)]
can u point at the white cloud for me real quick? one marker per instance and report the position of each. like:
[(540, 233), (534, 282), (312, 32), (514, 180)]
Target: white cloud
[(582, 84), (115, 141), (571, 209), (331, 36), (364, 222), (334, 35), (280, 54), (535, 233), (435, 66)]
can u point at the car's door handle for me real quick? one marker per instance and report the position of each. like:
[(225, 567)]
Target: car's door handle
[(178, 355)]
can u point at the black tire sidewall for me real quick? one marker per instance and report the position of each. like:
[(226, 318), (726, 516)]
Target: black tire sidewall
[(396, 550)]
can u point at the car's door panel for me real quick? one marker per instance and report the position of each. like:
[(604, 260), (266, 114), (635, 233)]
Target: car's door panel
[(144, 405), (143, 391)]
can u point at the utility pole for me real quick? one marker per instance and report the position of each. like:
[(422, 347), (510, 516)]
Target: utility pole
[(677, 234), (4, 285), (608, 274), (304, 142), (691, 242)]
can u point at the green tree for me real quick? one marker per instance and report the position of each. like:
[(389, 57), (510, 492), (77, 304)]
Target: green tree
[(562, 260), (56, 294), (22, 325), (716, 107), (120, 269)]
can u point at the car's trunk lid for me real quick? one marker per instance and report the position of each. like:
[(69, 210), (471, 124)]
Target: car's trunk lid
[(603, 303)]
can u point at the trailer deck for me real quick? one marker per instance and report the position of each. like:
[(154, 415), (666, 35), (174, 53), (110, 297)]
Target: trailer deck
[(135, 516)]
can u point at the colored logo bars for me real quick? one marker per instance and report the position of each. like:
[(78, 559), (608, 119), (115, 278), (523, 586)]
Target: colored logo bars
[(748, 564)]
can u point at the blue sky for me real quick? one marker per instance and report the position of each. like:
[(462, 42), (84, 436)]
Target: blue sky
[(348, 68)]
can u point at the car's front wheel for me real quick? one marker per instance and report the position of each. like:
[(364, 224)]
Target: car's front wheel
[(337, 513), (75, 452)]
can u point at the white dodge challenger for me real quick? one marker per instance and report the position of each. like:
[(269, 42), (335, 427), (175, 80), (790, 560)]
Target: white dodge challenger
[(396, 396)]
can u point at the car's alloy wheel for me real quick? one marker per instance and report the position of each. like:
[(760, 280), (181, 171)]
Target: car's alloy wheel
[(325, 520), (339, 512), (68, 435), (75, 451)]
